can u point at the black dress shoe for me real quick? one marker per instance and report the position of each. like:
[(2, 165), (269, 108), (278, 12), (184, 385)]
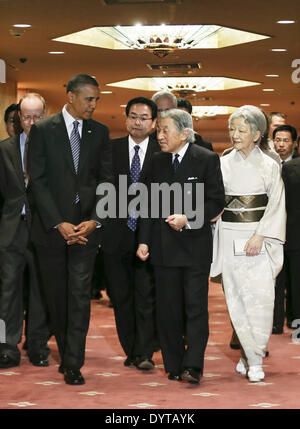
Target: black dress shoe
[(175, 377), (191, 375), (130, 361), (39, 360), (277, 330), (145, 363), (7, 362), (74, 377)]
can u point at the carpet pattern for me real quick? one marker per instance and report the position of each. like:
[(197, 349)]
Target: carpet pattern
[(110, 385)]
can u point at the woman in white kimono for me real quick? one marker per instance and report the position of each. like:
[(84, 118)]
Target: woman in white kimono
[(249, 237)]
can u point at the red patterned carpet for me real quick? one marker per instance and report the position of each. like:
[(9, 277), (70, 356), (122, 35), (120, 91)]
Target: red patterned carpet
[(109, 385)]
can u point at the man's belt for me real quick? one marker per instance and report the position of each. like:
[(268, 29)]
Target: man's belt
[(241, 208)]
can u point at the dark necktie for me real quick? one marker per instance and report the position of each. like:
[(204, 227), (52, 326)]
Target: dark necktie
[(176, 162), (75, 147), (135, 171), (26, 177)]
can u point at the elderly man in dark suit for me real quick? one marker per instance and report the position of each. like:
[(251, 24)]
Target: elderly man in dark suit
[(130, 280), (180, 248), (15, 249), (69, 156)]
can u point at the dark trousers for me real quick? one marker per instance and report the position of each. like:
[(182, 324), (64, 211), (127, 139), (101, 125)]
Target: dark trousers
[(13, 261), (288, 285), (132, 293), (182, 308), (66, 277)]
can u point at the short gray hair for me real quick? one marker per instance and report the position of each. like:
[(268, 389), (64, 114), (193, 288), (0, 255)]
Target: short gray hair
[(168, 94), (253, 116), (182, 120)]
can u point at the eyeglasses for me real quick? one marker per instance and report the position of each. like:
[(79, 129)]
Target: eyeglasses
[(282, 140), (32, 118), (141, 118)]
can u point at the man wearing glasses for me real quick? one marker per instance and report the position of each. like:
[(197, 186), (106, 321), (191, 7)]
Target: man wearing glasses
[(15, 248), (130, 279)]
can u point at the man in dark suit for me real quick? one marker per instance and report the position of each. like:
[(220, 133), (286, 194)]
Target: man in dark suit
[(179, 247), (184, 104), (69, 155), (285, 142), (130, 280), (15, 249)]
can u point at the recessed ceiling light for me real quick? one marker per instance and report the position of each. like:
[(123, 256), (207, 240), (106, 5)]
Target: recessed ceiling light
[(286, 22), (22, 25), (268, 89), (106, 92), (123, 105), (279, 50), (264, 104), (272, 75), (56, 52)]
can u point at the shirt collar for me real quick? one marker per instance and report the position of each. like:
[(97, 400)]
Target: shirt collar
[(69, 119), (181, 153), (143, 145)]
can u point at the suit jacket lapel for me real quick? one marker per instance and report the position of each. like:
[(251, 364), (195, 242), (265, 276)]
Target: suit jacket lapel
[(151, 149), (87, 135), (16, 158), (184, 166), (61, 135)]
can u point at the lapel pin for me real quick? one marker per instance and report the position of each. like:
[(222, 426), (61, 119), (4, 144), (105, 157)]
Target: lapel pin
[(89, 131)]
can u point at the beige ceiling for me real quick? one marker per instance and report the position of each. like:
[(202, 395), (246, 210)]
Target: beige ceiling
[(47, 74)]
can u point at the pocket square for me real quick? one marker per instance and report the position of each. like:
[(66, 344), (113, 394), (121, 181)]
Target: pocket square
[(192, 178)]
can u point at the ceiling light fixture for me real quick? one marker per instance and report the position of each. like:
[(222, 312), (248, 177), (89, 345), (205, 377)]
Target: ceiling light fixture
[(56, 52), (272, 75), (264, 104), (161, 39), (268, 89), (279, 50), (22, 25), (286, 22), (211, 111), (183, 86)]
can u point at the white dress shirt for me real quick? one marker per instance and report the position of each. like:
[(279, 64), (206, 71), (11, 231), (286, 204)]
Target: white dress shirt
[(142, 151), (69, 122)]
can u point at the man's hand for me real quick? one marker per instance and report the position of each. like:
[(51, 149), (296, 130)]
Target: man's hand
[(177, 221), (254, 245), (81, 231), (66, 228), (142, 252)]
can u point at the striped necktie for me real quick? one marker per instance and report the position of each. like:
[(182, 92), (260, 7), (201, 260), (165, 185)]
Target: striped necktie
[(135, 172), (75, 147)]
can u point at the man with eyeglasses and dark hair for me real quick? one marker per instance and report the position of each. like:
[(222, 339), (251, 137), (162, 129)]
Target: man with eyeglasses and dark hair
[(130, 280), (15, 248), (285, 144)]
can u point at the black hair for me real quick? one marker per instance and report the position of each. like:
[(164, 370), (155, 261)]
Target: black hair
[(142, 100), (79, 80), (287, 128), (12, 108), (184, 103)]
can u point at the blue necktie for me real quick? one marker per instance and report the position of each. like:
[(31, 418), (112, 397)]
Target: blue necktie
[(176, 162), (75, 147), (135, 171)]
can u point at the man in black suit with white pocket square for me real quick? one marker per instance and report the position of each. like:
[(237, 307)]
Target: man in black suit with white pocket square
[(180, 249)]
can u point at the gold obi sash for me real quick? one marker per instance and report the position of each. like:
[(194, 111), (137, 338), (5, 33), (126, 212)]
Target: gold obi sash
[(244, 208)]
